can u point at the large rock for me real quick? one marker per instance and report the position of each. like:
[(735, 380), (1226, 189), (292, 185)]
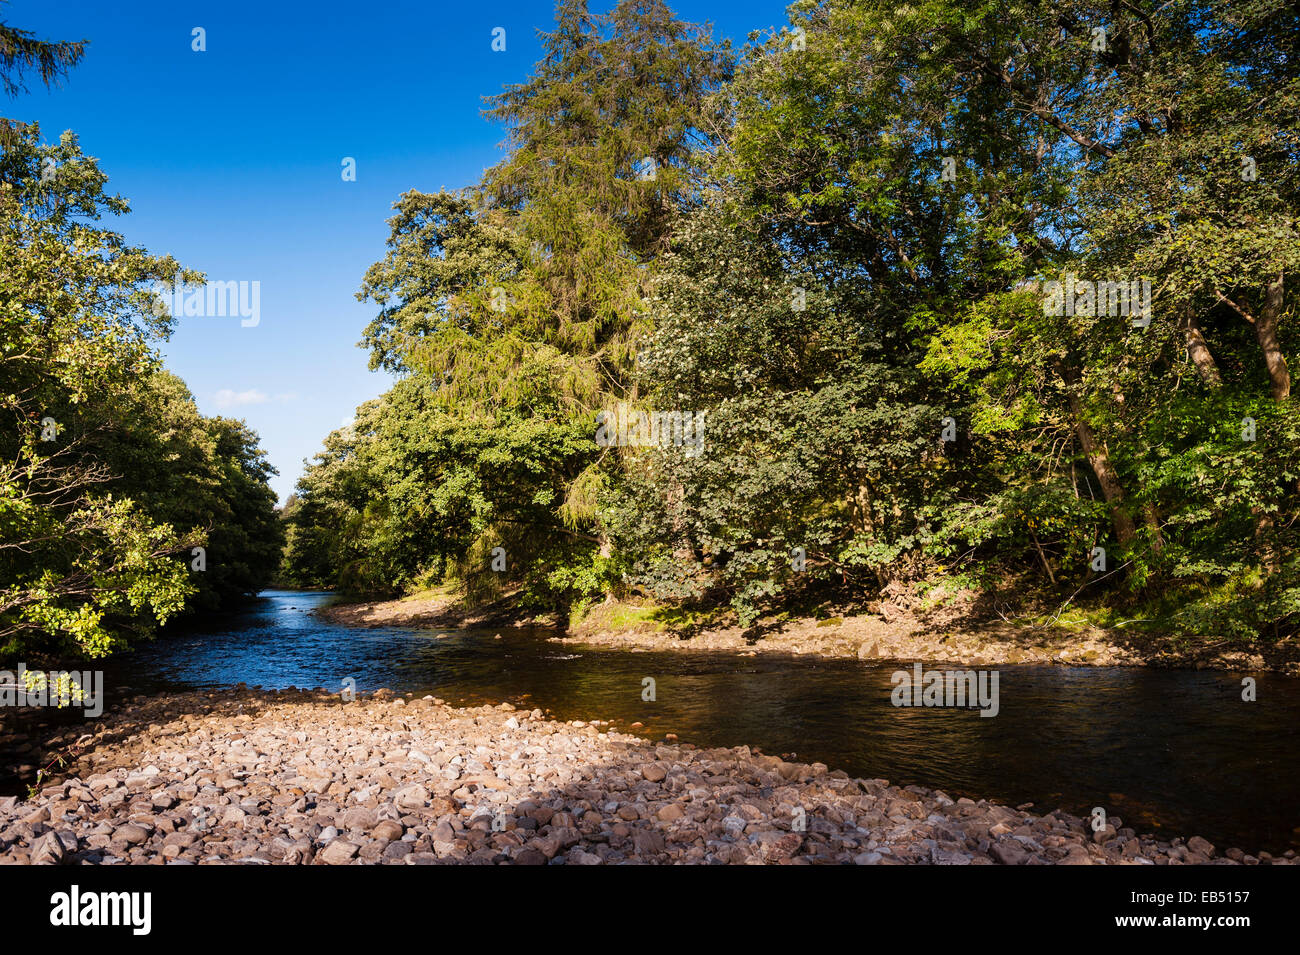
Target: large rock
[(130, 834), (48, 850), (360, 817), (388, 829), (777, 846), (411, 797), (338, 852), (648, 842), (1009, 853), (671, 812)]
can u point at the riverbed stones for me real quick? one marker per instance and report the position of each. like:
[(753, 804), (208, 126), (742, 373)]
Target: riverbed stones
[(295, 778)]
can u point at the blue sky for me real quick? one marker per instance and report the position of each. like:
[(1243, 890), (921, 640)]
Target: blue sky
[(231, 159)]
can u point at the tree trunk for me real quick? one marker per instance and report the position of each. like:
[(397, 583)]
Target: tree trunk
[(1200, 351), (1043, 557), (1150, 515), (1264, 540), (1279, 375), (1099, 459), (860, 505), (1151, 518)]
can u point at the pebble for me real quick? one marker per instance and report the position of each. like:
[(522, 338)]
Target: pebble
[(296, 778)]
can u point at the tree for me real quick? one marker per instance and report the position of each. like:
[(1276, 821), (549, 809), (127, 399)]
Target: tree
[(519, 303), (20, 53), (858, 259), (81, 566), (111, 479)]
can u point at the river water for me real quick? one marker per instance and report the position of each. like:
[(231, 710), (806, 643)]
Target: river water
[(1171, 751)]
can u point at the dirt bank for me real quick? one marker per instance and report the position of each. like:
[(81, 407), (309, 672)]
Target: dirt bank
[(935, 638)]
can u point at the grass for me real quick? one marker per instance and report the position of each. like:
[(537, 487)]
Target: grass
[(445, 589), (618, 617), (645, 616)]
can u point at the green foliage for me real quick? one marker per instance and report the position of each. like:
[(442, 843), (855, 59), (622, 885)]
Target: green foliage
[(21, 51), (512, 309), (110, 476), (818, 433), (843, 263), (409, 487)]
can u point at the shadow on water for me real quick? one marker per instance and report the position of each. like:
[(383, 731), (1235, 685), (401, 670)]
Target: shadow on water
[(1171, 751)]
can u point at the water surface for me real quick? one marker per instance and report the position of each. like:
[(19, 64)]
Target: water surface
[(1173, 751)]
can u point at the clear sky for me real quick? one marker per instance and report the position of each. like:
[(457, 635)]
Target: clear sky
[(232, 160)]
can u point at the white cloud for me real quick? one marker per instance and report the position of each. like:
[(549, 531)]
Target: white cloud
[(230, 399)]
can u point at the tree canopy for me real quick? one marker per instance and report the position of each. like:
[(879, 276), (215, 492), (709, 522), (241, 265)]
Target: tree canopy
[(980, 294)]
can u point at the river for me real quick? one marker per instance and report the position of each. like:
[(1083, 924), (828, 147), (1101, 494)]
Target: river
[(1175, 752)]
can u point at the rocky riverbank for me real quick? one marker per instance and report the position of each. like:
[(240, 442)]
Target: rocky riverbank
[(870, 637), (300, 777), (888, 634)]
